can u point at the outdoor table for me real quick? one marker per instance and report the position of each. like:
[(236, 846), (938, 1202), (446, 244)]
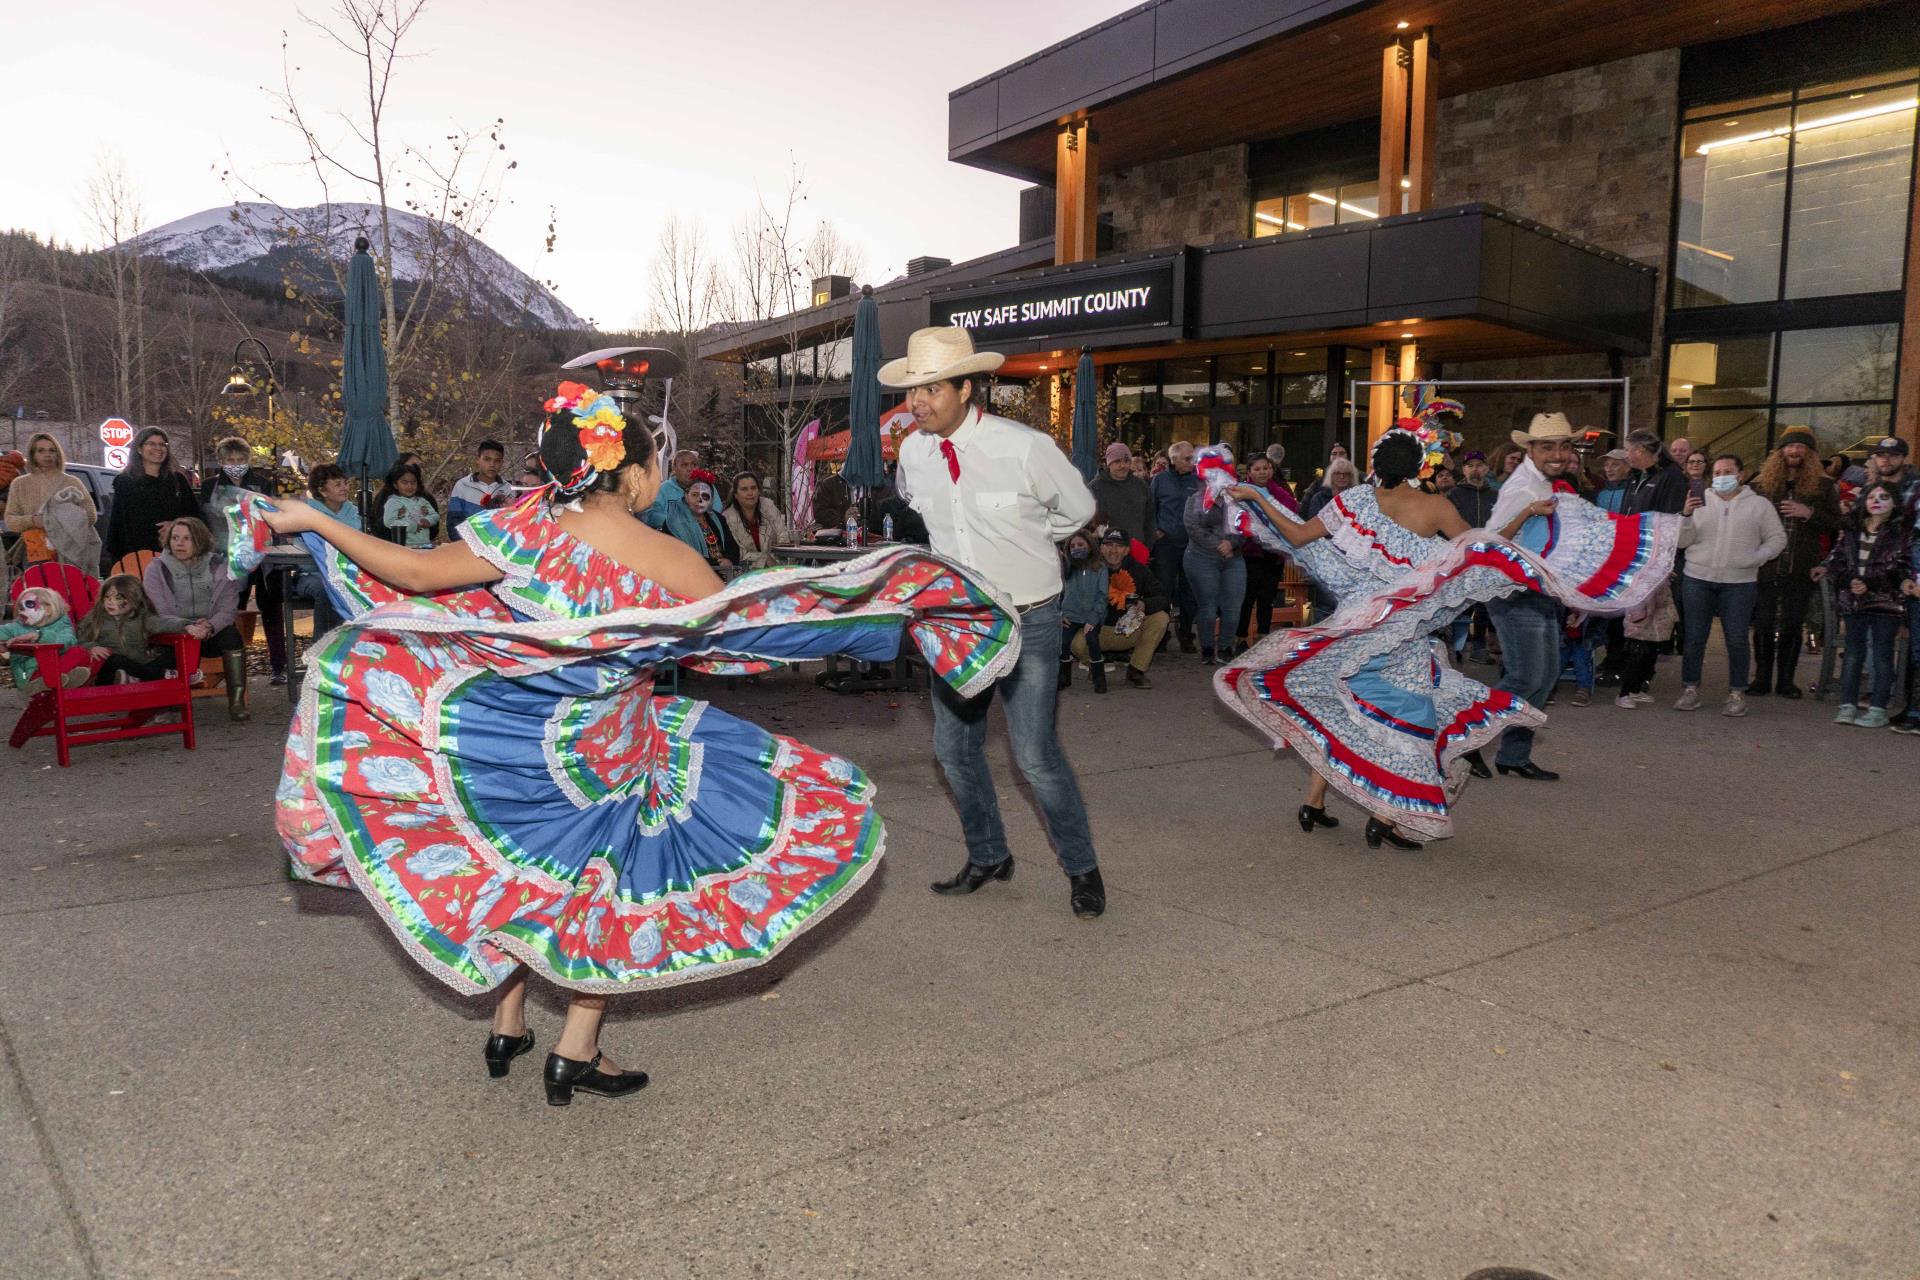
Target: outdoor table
[(287, 559), (860, 678)]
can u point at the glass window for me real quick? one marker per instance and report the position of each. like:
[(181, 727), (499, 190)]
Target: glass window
[(1851, 160), (1733, 182), (1188, 383), (1839, 426), (1329, 206), (1720, 371), (762, 374), (835, 360), (1136, 388), (1741, 431), (1845, 153), (1241, 379), (1838, 364)]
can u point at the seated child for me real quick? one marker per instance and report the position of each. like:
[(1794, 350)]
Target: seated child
[(43, 620), (119, 628)]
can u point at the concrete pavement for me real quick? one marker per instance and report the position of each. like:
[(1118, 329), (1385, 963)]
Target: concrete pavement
[(1658, 1020)]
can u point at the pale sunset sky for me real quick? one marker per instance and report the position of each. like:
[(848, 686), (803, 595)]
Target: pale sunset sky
[(619, 114)]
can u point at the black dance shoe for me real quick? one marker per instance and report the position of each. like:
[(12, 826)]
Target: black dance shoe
[(1530, 771), (1087, 894), (564, 1075), (1311, 817), (1379, 833), (502, 1050), (972, 877), (1477, 763)]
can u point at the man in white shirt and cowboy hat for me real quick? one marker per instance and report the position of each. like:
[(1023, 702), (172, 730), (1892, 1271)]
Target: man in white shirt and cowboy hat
[(1528, 624), (998, 497)]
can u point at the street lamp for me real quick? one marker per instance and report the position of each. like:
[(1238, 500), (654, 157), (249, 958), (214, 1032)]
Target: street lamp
[(237, 382)]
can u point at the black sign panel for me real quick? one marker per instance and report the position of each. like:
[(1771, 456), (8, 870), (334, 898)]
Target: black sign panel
[(1136, 296)]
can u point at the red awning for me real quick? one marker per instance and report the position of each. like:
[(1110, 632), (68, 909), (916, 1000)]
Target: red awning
[(895, 423)]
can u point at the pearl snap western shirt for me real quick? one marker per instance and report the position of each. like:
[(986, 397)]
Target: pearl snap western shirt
[(1017, 497)]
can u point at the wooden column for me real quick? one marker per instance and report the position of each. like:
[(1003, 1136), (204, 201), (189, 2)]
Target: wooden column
[(1409, 371), (1380, 400), (1420, 129), (1393, 126), (1906, 405), (1076, 193)]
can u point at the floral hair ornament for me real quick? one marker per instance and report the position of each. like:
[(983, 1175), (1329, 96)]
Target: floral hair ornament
[(601, 425)]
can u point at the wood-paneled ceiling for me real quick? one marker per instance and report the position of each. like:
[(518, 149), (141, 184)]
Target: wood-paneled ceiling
[(1330, 74)]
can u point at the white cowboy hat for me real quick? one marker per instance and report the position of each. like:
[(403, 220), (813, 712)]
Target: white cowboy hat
[(936, 354), (1544, 429)]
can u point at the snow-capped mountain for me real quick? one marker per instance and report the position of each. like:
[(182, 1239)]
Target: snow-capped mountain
[(250, 240)]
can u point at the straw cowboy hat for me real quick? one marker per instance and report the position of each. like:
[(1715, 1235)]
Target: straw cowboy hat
[(1545, 428), (936, 354)]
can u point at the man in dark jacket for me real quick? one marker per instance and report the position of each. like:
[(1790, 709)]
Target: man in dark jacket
[(1171, 489), (1809, 507), (1475, 495), (1130, 582), (1124, 501), (1656, 483)]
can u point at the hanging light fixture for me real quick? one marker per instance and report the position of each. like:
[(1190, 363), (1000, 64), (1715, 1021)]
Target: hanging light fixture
[(237, 384)]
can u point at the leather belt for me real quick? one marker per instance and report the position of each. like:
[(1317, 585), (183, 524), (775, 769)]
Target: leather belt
[(1037, 604)]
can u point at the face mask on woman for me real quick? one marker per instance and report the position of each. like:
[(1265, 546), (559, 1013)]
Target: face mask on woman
[(236, 471), (1725, 484), (1076, 553)]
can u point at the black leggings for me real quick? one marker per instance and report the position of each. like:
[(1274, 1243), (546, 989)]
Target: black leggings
[(1263, 588), (115, 664), (1637, 665), (224, 641)]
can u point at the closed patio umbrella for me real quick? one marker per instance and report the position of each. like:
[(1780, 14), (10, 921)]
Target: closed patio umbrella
[(864, 467), (1086, 422), (366, 438)]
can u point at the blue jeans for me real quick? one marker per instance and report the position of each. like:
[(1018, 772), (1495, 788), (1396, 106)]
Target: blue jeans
[(1732, 603), (1029, 693), (1869, 635), (1529, 630), (1578, 652), (1219, 584)]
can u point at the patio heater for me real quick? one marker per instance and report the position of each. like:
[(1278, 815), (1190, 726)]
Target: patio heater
[(624, 372)]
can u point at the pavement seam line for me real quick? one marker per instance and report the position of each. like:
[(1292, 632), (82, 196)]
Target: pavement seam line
[(848, 1153), (144, 897), (62, 1191), (1689, 896)]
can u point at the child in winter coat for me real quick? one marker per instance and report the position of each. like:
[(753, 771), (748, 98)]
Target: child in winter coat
[(119, 629), (43, 620), (1083, 607), (1871, 563)]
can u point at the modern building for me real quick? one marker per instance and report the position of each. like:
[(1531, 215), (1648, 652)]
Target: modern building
[(1243, 207)]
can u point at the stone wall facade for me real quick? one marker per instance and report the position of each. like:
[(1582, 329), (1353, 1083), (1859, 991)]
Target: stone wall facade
[(1197, 199), (1589, 153)]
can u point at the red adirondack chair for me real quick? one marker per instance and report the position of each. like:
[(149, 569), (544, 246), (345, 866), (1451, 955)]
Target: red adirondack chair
[(98, 713)]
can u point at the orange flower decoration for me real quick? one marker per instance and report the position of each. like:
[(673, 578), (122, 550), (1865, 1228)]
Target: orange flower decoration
[(571, 395), (600, 431), (1119, 587)]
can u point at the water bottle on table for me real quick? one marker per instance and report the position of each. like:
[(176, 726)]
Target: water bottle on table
[(852, 536)]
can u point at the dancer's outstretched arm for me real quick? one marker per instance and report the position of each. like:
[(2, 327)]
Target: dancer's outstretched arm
[(1544, 507), (415, 572), (1295, 530)]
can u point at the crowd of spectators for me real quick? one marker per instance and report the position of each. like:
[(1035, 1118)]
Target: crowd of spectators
[(1770, 547)]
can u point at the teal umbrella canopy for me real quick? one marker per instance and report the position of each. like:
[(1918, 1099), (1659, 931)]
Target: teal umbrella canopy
[(1086, 422), (366, 438), (865, 468)]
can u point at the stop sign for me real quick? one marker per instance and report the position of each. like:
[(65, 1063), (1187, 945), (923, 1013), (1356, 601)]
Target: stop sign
[(116, 433)]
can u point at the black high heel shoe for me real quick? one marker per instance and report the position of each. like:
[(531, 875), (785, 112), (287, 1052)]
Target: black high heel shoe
[(1478, 764), (1311, 817), (564, 1075), (502, 1050), (1379, 833)]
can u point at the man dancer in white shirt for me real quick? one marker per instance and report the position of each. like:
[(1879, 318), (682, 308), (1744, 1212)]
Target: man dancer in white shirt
[(998, 497)]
